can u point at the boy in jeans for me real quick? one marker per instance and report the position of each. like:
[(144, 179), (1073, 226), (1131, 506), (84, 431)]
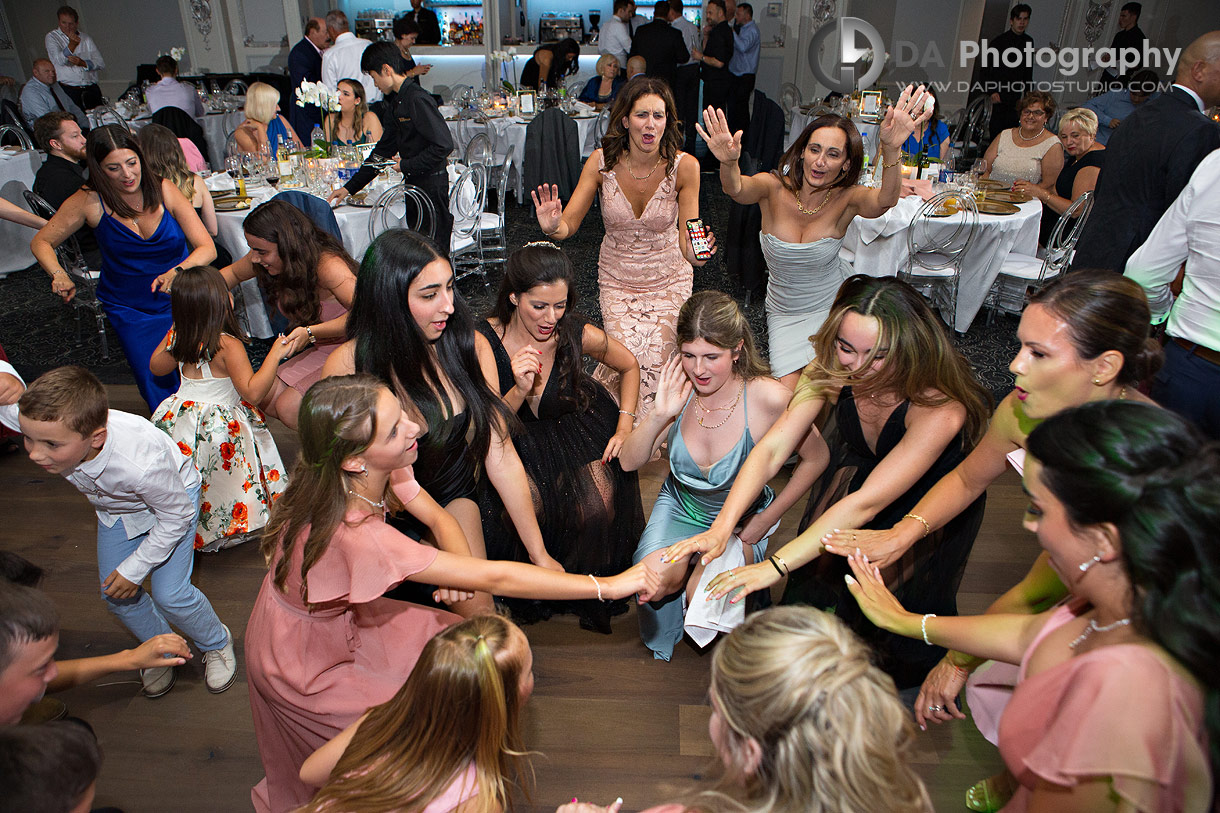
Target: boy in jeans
[(146, 494)]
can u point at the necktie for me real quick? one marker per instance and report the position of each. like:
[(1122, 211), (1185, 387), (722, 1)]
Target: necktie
[(55, 96)]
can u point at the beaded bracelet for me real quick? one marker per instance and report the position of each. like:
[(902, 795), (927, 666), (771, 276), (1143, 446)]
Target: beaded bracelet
[(598, 585), (625, 412), (923, 625)]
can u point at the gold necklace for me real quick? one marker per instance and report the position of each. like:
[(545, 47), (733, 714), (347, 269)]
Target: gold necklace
[(646, 177), (797, 195), (731, 408)]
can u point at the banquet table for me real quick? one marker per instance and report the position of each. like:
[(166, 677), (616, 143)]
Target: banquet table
[(510, 132), (17, 171), (878, 247), (213, 132)]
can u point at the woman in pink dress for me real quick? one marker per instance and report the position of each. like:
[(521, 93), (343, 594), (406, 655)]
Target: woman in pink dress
[(323, 644), (310, 279), (644, 272), (1117, 692), (802, 722)]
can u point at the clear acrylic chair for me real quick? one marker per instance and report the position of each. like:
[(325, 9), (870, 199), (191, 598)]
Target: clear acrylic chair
[(467, 200), (403, 207), (936, 245)]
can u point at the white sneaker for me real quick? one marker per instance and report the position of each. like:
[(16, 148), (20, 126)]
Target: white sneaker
[(220, 666), (157, 681)]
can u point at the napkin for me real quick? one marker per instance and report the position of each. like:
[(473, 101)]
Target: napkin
[(583, 107), (705, 618), (220, 182), (448, 111), (892, 222)]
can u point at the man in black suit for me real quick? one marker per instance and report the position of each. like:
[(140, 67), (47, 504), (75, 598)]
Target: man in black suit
[(1007, 85), (1150, 158), (661, 46), (715, 56), (305, 64), (429, 25)]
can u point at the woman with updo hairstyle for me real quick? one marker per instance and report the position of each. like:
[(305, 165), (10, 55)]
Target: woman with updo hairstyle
[(588, 508), (900, 408), (1081, 168), (803, 722), (715, 399), (1118, 692), (448, 740), (1029, 151)]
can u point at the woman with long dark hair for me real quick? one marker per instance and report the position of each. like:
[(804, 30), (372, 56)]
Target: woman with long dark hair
[(310, 279), (644, 271), (588, 508), (807, 205), (147, 231), (439, 366), (550, 64), (1118, 693), (906, 409)]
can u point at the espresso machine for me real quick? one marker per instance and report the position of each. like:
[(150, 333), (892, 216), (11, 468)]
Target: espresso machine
[(555, 26), (595, 18)]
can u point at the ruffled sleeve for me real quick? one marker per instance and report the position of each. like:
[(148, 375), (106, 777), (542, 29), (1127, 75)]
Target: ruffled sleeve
[(365, 560), (1119, 712)]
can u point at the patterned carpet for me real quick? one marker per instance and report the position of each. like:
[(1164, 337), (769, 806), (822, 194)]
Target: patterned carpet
[(38, 332)]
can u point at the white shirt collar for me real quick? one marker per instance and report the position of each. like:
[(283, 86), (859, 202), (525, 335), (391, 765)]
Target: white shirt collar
[(93, 468), (1198, 99), (345, 35)]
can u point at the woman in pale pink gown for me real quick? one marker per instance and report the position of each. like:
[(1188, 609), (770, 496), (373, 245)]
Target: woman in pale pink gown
[(645, 268)]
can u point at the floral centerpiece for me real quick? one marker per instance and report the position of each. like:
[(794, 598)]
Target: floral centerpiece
[(178, 53), (316, 93), (499, 69)]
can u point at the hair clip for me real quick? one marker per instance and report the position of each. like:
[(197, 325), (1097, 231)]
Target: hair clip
[(540, 243)]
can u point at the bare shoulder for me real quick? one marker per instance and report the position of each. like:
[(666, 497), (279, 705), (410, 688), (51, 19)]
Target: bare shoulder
[(342, 361), (769, 394), (943, 416)]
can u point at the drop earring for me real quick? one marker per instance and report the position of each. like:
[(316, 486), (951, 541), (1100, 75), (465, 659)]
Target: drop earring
[(364, 469), (1085, 566)]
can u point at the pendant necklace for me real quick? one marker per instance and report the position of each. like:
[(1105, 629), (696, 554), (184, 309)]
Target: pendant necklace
[(1093, 627)]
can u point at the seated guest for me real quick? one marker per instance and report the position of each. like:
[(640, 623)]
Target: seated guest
[(1077, 131), (63, 172), (49, 767), (931, 137), (395, 753), (602, 88), (1123, 497), (264, 127), (1028, 151), (353, 122), (169, 92), (164, 157), (802, 721), (1113, 106), (42, 95)]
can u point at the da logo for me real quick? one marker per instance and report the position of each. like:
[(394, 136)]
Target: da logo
[(842, 76)]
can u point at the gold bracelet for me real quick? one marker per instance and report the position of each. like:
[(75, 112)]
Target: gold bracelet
[(897, 161), (927, 529)]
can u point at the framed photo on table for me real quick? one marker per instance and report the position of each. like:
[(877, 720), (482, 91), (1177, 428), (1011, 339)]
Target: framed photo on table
[(527, 102), (870, 105)]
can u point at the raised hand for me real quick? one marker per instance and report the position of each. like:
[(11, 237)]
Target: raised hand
[(526, 366), (912, 109), (723, 142), (673, 389), (548, 207), (874, 598)]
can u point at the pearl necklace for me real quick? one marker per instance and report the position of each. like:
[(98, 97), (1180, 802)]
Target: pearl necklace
[(1032, 137), (1093, 627), (797, 195), (380, 506), (731, 408)]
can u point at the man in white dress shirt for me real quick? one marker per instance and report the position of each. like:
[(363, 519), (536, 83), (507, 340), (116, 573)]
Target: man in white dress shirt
[(1189, 231), (342, 60), (76, 59), (615, 36), (169, 92)]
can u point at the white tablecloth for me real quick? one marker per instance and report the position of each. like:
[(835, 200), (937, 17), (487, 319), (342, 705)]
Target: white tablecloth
[(17, 170), (510, 132), (878, 247), (353, 225)]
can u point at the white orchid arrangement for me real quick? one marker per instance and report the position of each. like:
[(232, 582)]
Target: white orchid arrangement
[(499, 62), (178, 53), (318, 94), (868, 56)]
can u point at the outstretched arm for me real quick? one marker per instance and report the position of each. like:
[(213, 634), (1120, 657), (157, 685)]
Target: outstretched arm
[(557, 222), (902, 118), (161, 650), (726, 146)]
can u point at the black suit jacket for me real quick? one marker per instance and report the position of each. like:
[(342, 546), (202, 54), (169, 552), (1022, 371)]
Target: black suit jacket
[(1149, 160), (304, 64), (663, 50), (429, 26), (719, 47)]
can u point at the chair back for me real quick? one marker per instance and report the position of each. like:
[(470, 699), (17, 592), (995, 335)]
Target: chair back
[(462, 95), (467, 200), (10, 113), (236, 87), (16, 133), (316, 209), (552, 152), (601, 125), (575, 88), (478, 150), (789, 98), (937, 242), (68, 252), (1062, 243), (106, 114), (183, 125), (968, 138), (404, 206)]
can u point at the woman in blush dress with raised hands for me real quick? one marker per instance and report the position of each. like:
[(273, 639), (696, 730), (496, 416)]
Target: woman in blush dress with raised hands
[(807, 205), (644, 271)]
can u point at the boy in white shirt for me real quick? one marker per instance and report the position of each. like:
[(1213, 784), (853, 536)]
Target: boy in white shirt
[(146, 495)]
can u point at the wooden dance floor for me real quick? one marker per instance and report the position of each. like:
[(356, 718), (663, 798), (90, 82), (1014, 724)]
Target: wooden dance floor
[(606, 720)]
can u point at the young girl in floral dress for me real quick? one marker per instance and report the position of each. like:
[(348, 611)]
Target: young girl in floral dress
[(212, 416)]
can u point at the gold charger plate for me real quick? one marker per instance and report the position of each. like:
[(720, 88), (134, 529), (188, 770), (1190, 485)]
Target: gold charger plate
[(987, 183), (232, 204), (995, 207), (1008, 196)]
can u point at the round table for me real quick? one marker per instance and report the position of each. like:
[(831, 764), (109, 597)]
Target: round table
[(510, 133), (878, 247), (17, 171)]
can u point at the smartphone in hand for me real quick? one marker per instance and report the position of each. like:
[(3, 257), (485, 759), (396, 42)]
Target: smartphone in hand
[(698, 239)]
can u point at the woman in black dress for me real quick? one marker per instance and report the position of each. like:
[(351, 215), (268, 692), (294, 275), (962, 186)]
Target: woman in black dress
[(587, 507), (904, 409), (1078, 132), (551, 64)]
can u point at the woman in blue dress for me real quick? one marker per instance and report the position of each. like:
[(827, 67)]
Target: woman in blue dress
[(716, 399), (147, 231)]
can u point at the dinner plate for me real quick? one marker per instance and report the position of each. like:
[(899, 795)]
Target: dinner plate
[(232, 204), (987, 183), (995, 207), (1008, 196)]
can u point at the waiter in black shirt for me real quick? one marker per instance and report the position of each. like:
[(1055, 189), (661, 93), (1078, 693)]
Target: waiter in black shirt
[(1005, 84), (429, 25), (1127, 37), (414, 131)]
